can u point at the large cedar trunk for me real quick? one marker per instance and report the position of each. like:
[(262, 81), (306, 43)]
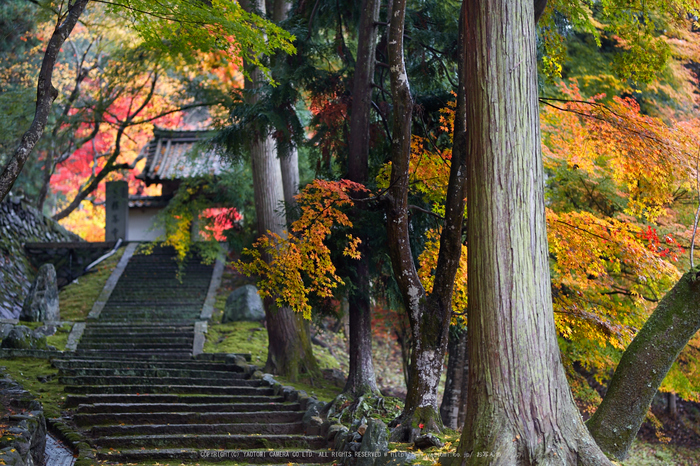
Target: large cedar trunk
[(289, 347), (289, 157), (361, 378), (520, 409)]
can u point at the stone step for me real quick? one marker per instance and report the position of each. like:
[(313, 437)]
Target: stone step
[(153, 373), (261, 417), (271, 404), (109, 363), (162, 280), (172, 297), (159, 389), (121, 315), (135, 380), (140, 325), (73, 401), (144, 331), (240, 428), (221, 356), (133, 354), (178, 345), (203, 457), (174, 307), (137, 338), (122, 331), (211, 441)]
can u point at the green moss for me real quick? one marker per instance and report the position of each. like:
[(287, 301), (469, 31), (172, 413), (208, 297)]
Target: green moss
[(238, 337), (659, 454), (60, 338), (322, 389), (77, 298), (31, 325), (251, 337), (40, 378)]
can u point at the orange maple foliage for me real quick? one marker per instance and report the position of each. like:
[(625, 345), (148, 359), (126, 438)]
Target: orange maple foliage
[(614, 179), (294, 266)]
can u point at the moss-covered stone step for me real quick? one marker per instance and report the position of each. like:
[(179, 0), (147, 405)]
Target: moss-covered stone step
[(174, 310), (277, 456), (140, 325), (211, 441), (222, 356), (188, 407), (149, 315), (73, 401), (145, 344), (137, 340), (184, 389), (136, 354), (192, 417), (241, 428), (151, 373), (129, 329), (108, 363), (223, 379), (138, 336)]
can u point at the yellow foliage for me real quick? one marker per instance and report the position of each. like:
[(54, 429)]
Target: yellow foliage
[(297, 265), (427, 262)]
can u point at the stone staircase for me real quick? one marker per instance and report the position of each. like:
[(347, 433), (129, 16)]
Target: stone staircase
[(139, 396)]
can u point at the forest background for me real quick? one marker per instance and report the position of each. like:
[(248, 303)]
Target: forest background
[(619, 95)]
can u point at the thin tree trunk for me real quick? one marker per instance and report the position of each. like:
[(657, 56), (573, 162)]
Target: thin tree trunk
[(455, 379), (644, 366), (289, 345), (520, 410), (361, 377), (46, 182), (672, 408), (430, 315), (45, 95)]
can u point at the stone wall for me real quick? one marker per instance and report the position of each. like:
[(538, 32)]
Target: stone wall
[(24, 436), (20, 223)]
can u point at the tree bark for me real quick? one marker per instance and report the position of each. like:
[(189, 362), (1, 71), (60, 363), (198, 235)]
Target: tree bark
[(289, 345), (289, 164), (644, 366), (45, 95), (361, 377), (289, 158), (456, 379), (520, 410), (429, 315), (672, 407)]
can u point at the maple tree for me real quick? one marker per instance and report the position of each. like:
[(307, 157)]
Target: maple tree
[(221, 25), (298, 264)]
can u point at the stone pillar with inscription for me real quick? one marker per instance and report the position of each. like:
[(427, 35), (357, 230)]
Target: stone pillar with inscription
[(116, 210)]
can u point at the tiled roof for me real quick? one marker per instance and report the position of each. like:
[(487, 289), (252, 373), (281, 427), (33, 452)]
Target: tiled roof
[(170, 156)]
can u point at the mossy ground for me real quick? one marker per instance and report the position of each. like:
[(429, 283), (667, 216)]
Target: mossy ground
[(251, 337), (40, 378), (658, 454), (77, 298), (60, 338), (641, 454)]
